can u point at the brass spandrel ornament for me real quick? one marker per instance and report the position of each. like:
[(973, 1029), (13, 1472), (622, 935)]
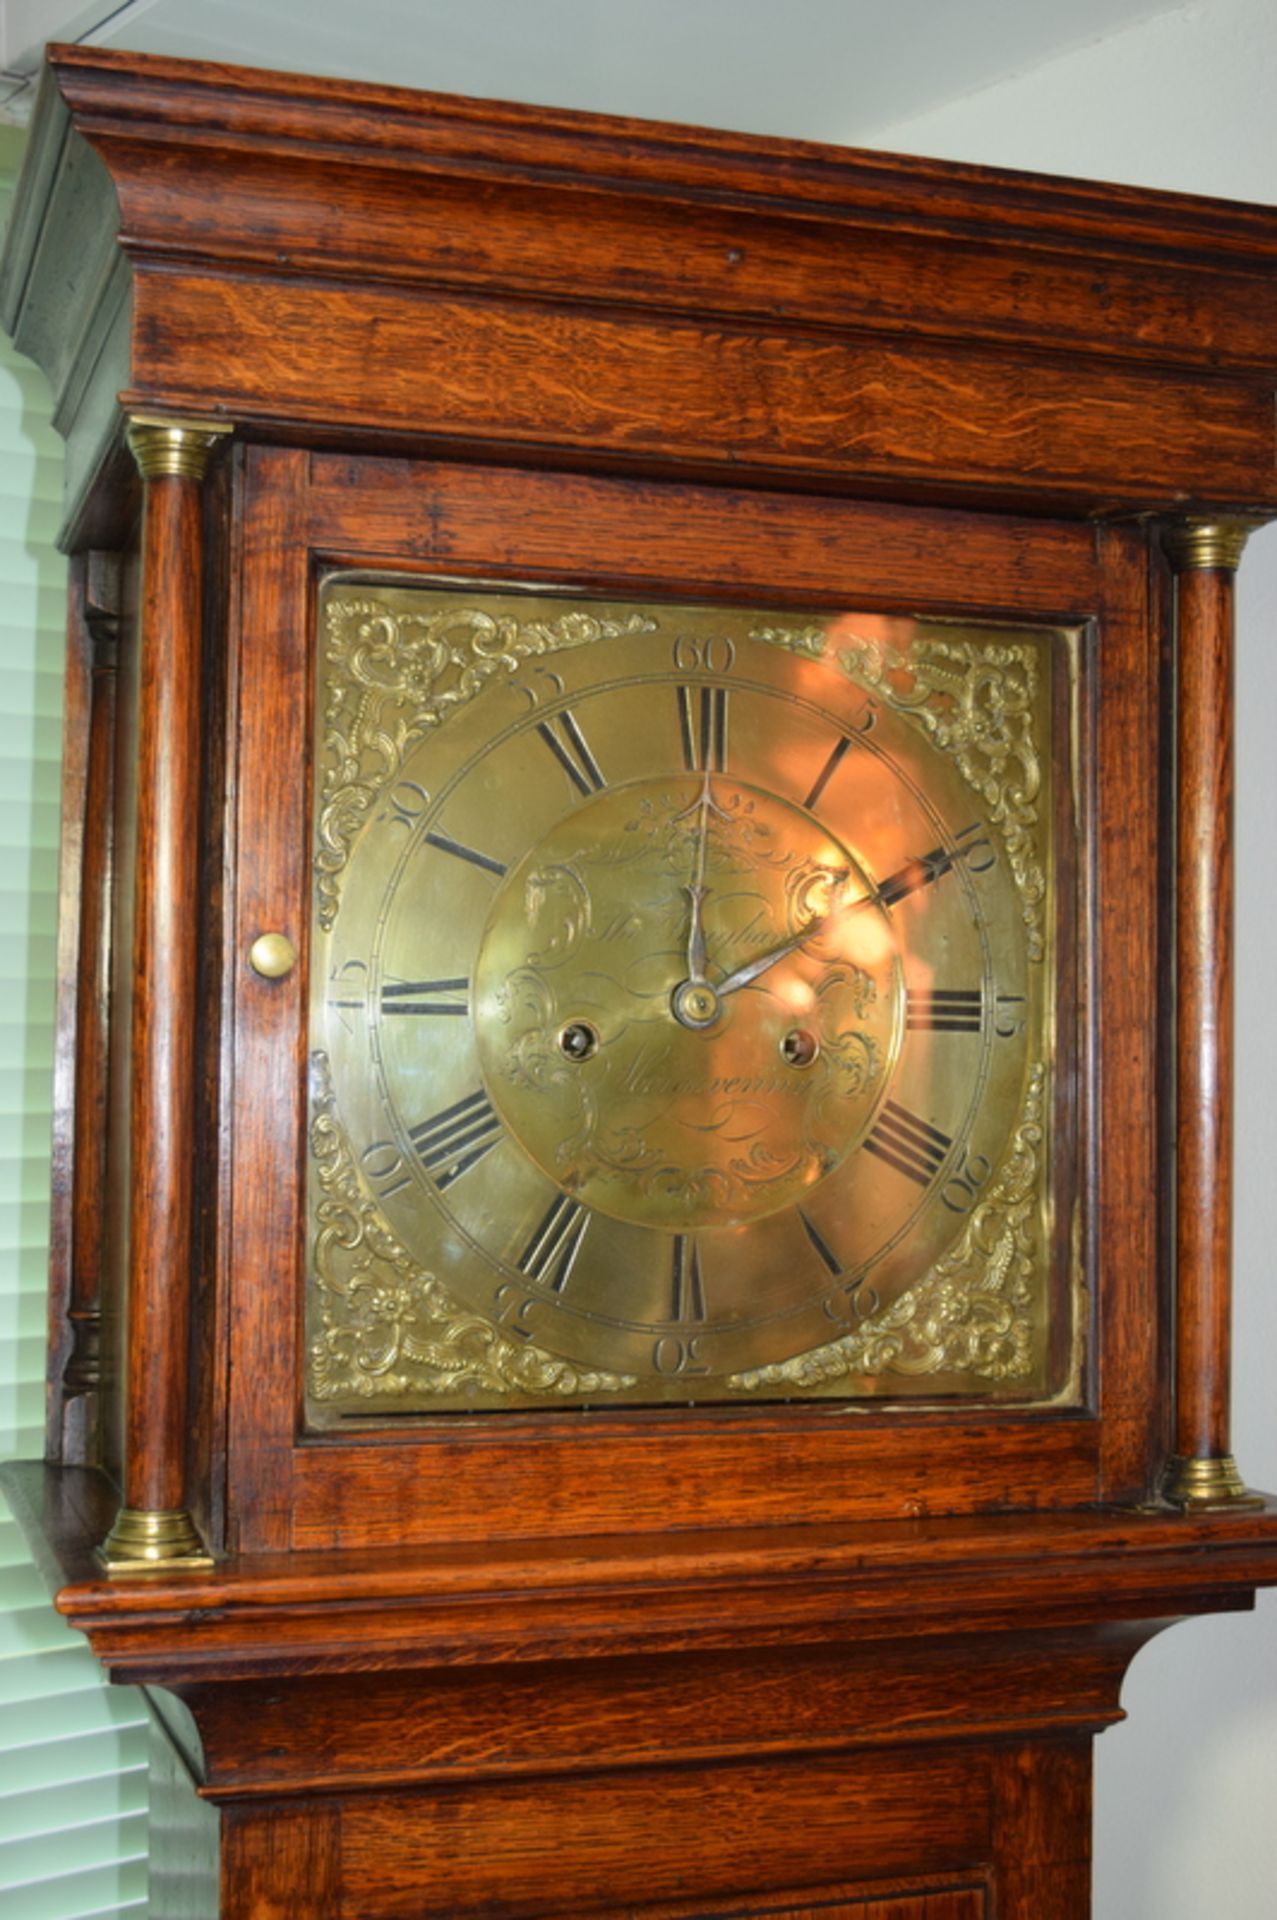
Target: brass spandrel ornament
[(684, 1016)]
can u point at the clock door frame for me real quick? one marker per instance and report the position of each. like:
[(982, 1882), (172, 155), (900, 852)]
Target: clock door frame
[(294, 516)]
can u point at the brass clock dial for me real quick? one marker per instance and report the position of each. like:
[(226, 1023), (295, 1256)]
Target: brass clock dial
[(679, 1015), (683, 1025)]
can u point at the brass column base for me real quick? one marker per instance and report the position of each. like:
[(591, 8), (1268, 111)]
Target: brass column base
[(1207, 1481), (142, 1542)]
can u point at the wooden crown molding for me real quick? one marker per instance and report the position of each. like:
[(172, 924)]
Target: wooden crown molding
[(1019, 323)]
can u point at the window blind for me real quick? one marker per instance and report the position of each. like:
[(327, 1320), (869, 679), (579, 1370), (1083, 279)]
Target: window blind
[(72, 1751)]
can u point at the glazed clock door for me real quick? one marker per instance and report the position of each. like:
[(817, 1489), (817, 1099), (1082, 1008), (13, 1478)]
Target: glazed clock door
[(689, 1029)]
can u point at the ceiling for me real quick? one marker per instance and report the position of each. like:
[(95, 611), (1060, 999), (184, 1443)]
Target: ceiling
[(838, 70)]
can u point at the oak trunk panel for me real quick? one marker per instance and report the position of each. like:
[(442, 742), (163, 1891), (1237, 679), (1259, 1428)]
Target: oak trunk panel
[(719, 1830), (958, 1903), (280, 1864)]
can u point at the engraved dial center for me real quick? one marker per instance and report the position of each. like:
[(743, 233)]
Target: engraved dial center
[(683, 1109)]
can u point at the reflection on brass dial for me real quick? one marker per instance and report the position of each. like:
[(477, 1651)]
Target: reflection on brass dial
[(704, 1121), (683, 1005)]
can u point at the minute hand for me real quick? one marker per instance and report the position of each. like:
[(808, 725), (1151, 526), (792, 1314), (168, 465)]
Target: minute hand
[(760, 963)]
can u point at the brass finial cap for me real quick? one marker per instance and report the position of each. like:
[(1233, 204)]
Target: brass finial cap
[(1198, 545), (176, 447)]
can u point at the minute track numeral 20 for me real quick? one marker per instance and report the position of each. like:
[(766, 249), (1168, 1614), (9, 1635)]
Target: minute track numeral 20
[(702, 725), (452, 1142), (556, 1240), (944, 1009), (434, 997), (563, 736), (909, 1144)]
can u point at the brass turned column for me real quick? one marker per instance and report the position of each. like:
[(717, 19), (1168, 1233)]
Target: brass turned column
[(1205, 555), (154, 1526)]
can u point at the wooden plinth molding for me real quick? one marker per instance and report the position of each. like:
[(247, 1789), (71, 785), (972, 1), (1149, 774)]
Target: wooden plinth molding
[(1204, 554), (154, 1525)]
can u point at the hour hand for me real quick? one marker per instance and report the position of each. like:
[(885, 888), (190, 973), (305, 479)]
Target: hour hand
[(696, 937), (696, 893)]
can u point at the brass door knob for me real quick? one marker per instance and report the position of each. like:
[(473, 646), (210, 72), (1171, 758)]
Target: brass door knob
[(272, 955)]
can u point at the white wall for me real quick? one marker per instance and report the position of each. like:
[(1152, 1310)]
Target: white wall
[(1186, 1789)]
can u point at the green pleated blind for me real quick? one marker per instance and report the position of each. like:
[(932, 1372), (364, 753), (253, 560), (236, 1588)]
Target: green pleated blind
[(72, 1751)]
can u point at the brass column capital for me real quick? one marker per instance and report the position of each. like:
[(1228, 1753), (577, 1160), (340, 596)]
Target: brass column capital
[(180, 448), (1209, 541)]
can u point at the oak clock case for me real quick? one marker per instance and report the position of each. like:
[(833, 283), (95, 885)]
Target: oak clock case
[(657, 823), (687, 1005)]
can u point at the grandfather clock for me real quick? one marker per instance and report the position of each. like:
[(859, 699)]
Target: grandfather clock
[(640, 1298)]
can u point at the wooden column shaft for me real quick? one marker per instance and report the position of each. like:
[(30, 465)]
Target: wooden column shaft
[(1205, 555), (160, 1204), (1204, 1034), (154, 1523)]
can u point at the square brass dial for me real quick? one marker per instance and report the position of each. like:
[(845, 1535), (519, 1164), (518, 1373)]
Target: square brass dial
[(688, 1005)]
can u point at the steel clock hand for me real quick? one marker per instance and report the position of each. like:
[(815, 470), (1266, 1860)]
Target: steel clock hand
[(696, 938), (696, 893), (753, 969)]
